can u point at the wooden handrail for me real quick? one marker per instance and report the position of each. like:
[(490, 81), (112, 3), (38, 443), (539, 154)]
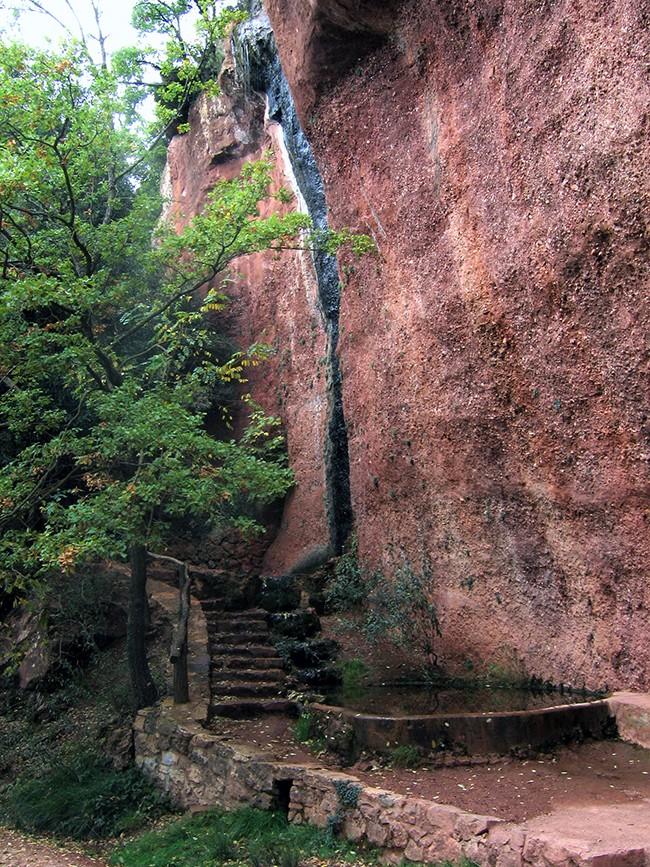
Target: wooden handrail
[(178, 651)]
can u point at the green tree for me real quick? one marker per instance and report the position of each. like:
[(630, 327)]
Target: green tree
[(109, 357), (190, 59)]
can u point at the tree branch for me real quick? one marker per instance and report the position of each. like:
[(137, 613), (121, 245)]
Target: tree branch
[(176, 297)]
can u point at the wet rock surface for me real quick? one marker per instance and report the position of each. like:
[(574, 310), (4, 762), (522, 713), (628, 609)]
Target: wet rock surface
[(279, 594), (300, 624)]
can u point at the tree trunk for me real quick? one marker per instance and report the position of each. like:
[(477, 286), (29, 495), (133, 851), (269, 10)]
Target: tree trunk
[(144, 689)]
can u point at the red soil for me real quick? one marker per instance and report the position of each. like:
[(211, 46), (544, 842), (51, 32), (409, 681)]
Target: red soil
[(591, 774)]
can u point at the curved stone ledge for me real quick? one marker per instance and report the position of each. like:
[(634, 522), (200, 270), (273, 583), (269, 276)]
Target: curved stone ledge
[(197, 769), (475, 734)]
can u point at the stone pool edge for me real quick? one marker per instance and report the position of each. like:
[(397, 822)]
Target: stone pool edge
[(475, 734), (197, 769)]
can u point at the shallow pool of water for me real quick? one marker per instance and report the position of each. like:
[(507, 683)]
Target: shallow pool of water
[(418, 700)]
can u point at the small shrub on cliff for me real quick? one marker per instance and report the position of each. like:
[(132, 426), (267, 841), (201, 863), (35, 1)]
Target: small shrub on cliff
[(400, 610), (347, 590), (354, 674), (396, 608)]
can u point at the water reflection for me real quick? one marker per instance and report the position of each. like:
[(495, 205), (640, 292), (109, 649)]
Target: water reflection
[(426, 699)]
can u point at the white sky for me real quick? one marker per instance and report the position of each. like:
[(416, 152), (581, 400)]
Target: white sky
[(37, 28)]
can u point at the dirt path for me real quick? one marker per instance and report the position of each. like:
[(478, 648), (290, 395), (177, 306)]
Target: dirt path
[(19, 851), (593, 774)]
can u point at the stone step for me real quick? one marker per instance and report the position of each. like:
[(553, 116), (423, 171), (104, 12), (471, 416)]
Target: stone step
[(249, 650), (233, 638), (248, 674), (245, 708), (257, 614), (247, 690), (217, 604), (221, 624), (263, 663)]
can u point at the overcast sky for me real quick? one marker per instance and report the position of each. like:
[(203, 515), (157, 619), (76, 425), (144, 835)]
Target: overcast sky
[(37, 28)]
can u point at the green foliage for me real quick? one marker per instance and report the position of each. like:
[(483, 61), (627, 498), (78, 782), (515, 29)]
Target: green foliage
[(347, 793), (396, 608), (79, 611), (111, 361), (354, 673), (303, 729), (347, 589), (108, 357), (81, 797), (307, 731), (334, 824), (405, 756), (255, 837), (400, 610), (189, 59)]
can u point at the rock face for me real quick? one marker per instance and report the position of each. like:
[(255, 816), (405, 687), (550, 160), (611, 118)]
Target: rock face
[(274, 301), (494, 371)]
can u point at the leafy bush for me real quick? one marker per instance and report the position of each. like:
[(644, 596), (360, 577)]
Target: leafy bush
[(347, 590), (353, 674), (245, 836), (307, 731), (82, 797), (398, 608), (405, 756), (347, 793)]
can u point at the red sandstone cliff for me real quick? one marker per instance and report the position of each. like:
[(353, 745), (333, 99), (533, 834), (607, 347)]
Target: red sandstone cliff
[(494, 357), (273, 302)]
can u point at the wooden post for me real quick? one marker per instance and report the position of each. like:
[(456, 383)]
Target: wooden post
[(178, 653)]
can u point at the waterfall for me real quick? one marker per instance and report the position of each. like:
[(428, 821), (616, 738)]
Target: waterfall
[(259, 69)]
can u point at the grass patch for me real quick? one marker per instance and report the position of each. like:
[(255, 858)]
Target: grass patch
[(303, 729), (248, 836), (405, 756), (81, 796), (306, 731)]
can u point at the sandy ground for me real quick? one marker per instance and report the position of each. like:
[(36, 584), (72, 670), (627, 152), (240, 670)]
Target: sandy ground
[(17, 850)]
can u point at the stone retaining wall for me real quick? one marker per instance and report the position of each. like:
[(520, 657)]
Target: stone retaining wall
[(197, 769), (471, 734)]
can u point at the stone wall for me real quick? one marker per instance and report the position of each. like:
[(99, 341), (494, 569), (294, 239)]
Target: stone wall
[(198, 770)]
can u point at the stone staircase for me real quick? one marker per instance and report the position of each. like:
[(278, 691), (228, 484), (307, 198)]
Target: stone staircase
[(247, 677)]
